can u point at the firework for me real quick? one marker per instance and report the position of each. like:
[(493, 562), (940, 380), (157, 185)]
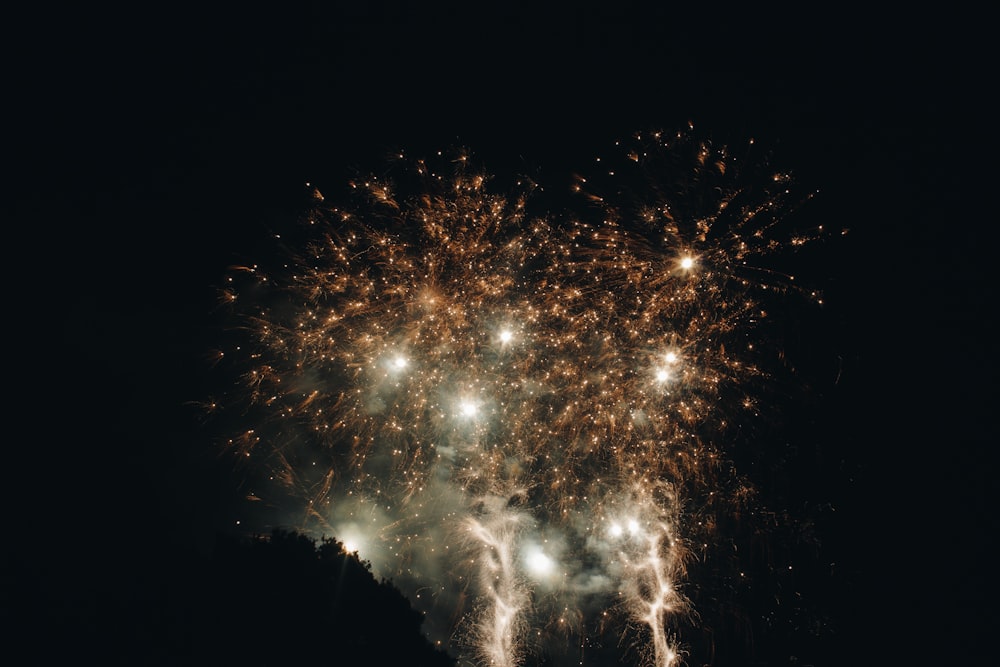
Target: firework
[(521, 416)]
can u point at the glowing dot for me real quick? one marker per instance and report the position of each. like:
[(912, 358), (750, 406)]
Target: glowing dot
[(399, 362), (687, 263), (506, 336), (662, 375), (615, 530), (671, 357), (633, 527), (468, 408), (539, 563)]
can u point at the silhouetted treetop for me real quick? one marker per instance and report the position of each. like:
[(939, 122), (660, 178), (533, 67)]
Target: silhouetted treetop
[(267, 601), (286, 599)]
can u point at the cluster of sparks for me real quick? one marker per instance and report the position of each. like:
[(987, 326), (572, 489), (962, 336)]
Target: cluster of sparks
[(523, 415)]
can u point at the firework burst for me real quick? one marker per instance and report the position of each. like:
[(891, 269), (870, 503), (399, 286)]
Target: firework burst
[(523, 414)]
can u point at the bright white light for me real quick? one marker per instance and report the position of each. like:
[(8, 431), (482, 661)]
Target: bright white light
[(351, 536), (539, 564), (615, 530), (633, 527), (506, 336), (399, 362), (468, 408), (671, 357), (662, 375), (353, 541), (687, 263)]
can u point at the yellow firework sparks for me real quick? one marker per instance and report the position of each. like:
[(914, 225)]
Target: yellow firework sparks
[(521, 404)]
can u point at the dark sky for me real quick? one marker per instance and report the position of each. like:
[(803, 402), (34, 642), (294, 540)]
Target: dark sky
[(154, 145)]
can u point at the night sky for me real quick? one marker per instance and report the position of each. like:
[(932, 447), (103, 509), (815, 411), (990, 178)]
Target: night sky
[(153, 146)]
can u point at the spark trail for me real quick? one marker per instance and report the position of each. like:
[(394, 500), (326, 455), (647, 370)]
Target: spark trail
[(533, 407), (500, 625)]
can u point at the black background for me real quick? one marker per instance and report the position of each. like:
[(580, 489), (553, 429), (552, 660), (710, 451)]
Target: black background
[(150, 146)]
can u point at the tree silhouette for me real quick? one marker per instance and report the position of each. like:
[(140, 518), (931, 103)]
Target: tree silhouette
[(284, 599), (288, 600)]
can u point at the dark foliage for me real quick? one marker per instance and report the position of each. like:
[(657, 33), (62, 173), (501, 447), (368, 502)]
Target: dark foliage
[(257, 602)]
